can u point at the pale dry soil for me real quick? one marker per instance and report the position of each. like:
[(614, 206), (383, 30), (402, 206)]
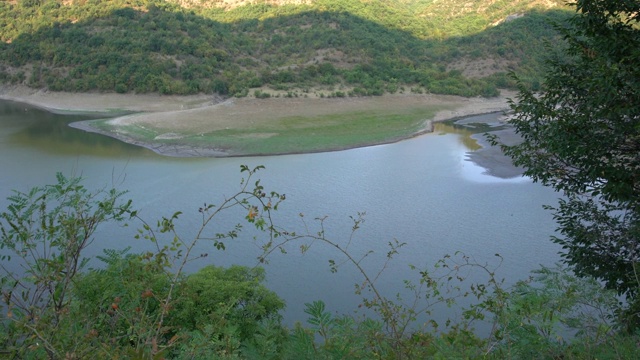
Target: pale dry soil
[(103, 102)]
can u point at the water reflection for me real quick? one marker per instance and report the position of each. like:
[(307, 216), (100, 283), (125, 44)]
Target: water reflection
[(469, 128), (476, 173), (481, 161), (26, 126), (465, 134)]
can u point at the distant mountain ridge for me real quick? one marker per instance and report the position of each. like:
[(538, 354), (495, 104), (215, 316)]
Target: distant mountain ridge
[(492, 12), (231, 4), (352, 47)]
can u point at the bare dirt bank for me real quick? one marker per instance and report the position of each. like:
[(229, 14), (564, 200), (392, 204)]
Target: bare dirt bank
[(103, 102)]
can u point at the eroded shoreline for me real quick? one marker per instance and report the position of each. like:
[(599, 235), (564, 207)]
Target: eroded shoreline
[(207, 112)]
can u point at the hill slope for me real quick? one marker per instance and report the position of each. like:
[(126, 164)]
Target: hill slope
[(351, 47)]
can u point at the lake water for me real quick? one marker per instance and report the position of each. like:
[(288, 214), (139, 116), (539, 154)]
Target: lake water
[(421, 191)]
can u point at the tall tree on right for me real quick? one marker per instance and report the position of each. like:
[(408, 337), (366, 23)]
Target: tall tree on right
[(581, 136)]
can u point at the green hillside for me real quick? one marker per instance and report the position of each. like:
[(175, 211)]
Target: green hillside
[(352, 47)]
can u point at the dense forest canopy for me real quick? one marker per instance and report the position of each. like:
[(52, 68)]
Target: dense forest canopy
[(229, 47)]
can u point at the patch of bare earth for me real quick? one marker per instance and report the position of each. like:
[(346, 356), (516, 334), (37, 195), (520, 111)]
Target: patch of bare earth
[(96, 101), (479, 68)]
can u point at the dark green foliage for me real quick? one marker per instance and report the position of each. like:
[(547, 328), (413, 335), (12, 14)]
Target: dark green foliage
[(43, 235), (582, 137), (545, 316), (229, 296), (118, 46), (123, 302)]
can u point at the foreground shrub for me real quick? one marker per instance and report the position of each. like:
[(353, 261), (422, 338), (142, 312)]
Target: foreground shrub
[(145, 306)]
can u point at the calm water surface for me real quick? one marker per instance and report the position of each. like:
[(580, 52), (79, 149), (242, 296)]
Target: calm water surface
[(421, 191)]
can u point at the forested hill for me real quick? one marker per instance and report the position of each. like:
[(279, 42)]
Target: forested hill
[(356, 47)]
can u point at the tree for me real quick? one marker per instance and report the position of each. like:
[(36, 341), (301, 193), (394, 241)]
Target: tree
[(581, 136), (140, 306), (43, 235)]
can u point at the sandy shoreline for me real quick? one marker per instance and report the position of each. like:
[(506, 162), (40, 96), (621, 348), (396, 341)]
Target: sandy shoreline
[(209, 113), (102, 102)]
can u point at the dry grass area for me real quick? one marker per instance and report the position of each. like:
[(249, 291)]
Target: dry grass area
[(245, 113)]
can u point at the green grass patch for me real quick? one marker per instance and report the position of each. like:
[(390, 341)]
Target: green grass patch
[(293, 134), (316, 133)]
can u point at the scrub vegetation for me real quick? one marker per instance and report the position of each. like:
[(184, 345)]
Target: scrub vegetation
[(188, 47)]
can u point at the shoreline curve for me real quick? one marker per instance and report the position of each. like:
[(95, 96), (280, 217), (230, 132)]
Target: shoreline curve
[(129, 109)]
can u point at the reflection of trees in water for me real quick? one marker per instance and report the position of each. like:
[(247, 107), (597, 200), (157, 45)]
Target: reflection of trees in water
[(51, 132), (464, 132), (475, 125)]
